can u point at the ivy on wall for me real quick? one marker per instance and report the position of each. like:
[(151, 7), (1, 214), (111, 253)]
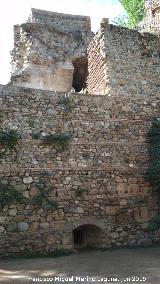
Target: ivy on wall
[(41, 199), (61, 140), (80, 191), (9, 195), (66, 103), (8, 141), (153, 172)]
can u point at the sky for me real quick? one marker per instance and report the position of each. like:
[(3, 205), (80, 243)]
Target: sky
[(14, 12)]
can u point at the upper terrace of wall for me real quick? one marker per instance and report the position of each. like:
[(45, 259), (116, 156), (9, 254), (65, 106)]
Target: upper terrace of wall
[(61, 21), (123, 61)]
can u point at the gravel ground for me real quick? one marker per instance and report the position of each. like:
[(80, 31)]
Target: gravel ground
[(112, 266)]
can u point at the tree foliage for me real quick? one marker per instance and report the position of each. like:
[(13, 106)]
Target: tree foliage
[(135, 11), (121, 20)]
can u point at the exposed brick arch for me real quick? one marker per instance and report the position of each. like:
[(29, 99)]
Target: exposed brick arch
[(85, 221)]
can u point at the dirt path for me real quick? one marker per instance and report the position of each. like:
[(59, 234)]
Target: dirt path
[(121, 263)]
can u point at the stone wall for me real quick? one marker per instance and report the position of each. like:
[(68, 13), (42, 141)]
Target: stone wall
[(98, 180), (60, 21), (123, 61)]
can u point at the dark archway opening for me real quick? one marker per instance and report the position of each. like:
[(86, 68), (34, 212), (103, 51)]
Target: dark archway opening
[(80, 73), (87, 237)]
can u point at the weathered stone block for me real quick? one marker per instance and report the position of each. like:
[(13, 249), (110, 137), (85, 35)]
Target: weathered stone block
[(12, 212), (23, 226), (111, 210), (144, 243), (28, 180), (11, 227), (44, 225), (2, 229)]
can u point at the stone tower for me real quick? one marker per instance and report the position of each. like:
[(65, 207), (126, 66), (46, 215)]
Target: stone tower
[(50, 51)]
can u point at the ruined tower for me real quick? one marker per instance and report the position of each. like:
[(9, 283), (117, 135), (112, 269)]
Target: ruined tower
[(152, 19), (50, 51)]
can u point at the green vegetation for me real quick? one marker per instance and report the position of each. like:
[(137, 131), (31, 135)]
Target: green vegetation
[(135, 11), (8, 141), (9, 195), (67, 104), (153, 172), (79, 191), (48, 254), (155, 222), (61, 140), (31, 123), (121, 21), (41, 199), (36, 135)]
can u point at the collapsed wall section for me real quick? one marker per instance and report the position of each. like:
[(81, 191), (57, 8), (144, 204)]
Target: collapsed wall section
[(97, 180), (45, 48), (123, 61)]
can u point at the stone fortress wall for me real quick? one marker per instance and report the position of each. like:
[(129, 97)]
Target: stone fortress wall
[(60, 21), (106, 159), (123, 61), (93, 193)]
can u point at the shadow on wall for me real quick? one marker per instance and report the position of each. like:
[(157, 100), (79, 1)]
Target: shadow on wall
[(87, 237), (80, 73)]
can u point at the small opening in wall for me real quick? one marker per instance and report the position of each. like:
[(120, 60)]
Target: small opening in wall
[(80, 73), (78, 236), (87, 237)]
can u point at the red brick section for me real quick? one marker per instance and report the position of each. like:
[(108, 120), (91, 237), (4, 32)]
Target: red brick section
[(96, 77)]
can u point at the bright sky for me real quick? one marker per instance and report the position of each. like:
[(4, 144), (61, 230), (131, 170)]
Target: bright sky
[(17, 11)]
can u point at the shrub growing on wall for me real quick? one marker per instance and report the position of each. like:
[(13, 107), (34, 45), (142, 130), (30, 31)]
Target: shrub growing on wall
[(9, 195), (153, 172), (8, 141), (42, 199), (58, 139)]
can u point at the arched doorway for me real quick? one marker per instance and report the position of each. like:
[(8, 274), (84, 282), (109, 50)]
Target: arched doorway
[(87, 237)]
